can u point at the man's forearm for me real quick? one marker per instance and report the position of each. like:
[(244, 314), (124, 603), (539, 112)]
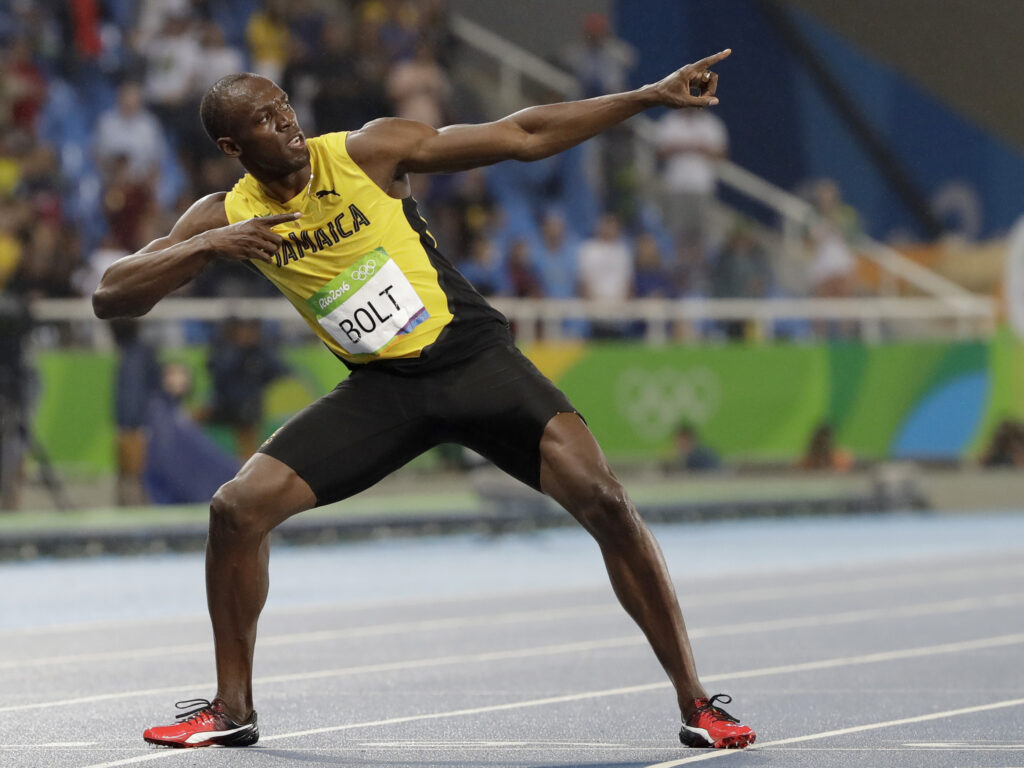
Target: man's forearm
[(132, 285), (554, 128)]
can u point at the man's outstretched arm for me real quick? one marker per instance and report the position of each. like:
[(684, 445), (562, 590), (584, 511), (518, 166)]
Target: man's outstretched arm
[(132, 285), (388, 148)]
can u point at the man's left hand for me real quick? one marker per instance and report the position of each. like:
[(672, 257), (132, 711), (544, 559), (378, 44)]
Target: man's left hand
[(677, 90)]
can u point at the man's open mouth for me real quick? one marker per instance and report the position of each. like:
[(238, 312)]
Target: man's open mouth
[(298, 141)]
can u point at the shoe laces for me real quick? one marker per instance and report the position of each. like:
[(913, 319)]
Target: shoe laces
[(197, 709), (717, 713)]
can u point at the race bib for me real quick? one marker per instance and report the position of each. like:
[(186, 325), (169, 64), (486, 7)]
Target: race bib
[(368, 305)]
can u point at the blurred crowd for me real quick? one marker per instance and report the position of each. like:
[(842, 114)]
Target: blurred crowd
[(101, 149)]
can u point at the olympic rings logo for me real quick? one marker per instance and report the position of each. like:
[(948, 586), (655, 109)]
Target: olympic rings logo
[(364, 271), (655, 402)]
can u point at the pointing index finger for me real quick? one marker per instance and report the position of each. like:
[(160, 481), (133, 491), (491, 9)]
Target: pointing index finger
[(710, 61), (279, 218)]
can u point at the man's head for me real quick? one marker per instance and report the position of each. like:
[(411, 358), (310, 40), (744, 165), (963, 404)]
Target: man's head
[(250, 118)]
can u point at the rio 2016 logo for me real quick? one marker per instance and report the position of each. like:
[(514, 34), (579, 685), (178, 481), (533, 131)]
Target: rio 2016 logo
[(364, 271), (334, 295)]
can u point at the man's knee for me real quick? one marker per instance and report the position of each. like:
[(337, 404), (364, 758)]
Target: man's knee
[(606, 512), (235, 512)]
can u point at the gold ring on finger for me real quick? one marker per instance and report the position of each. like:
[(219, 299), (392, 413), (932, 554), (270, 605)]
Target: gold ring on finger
[(706, 77)]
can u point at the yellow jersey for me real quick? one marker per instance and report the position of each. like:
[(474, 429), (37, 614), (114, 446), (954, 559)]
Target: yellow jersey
[(363, 270)]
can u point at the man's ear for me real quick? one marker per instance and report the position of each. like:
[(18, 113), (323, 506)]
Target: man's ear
[(229, 147)]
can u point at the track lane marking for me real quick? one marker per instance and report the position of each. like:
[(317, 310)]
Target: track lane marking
[(582, 696), (957, 575), (513, 617), (553, 649), (907, 653), (845, 731)]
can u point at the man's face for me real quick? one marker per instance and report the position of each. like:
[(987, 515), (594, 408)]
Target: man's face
[(266, 135)]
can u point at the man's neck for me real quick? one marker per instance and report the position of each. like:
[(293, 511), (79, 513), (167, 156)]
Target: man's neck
[(284, 188)]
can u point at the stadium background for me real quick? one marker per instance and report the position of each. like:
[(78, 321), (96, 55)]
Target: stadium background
[(928, 157)]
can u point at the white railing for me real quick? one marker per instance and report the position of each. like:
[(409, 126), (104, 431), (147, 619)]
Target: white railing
[(871, 319)]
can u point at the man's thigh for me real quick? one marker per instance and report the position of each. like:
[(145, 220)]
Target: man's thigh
[(498, 404), (365, 428)]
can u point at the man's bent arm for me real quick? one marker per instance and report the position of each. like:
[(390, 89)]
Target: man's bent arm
[(388, 148), (132, 285)]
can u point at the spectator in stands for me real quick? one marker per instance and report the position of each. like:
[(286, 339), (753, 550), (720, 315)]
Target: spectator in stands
[(741, 271), (170, 62), (1006, 448), (832, 237), (558, 258), (601, 61), (651, 279), (483, 268), (10, 249), (606, 272), (22, 87), (523, 280), (690, 142), (214, 59), (40, 183), (183, 464), (691, 454), (87, 277), (469, 211), (131, 131), (127, 203), (15, 410), (241, 366), (419, 88), (823, 453), (346, 95), (138, 379), (49, 258), (268, 38)]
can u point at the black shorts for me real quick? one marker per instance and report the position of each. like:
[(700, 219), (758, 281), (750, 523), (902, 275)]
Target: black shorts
[(497, 403)]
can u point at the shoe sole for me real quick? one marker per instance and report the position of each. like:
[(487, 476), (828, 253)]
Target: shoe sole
[(740, 741), (246, 739)]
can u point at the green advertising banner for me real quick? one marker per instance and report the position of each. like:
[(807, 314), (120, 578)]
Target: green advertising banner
[(749, 402)]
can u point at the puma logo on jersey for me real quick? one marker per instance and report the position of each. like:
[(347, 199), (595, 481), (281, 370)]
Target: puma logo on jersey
[(325, 192)]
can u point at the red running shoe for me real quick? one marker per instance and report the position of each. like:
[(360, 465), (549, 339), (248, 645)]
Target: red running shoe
[(711, 726), (205, 725)]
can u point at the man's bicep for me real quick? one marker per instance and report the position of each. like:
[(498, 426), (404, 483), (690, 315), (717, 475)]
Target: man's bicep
[(414, 147), (203, 215), (461, 147)]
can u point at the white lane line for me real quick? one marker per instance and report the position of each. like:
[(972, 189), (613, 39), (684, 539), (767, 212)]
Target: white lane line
[(372, 630), (845, 731), (566, 699), (907, 653), (514, 617), (999, 641), (686, 588), (50, 744), (412, 718), (389, 666), (617, 642)]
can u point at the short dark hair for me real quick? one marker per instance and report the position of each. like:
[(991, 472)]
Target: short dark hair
[(213, 109)]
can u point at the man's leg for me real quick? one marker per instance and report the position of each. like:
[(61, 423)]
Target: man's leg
[(574, 473), (265, 493)]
